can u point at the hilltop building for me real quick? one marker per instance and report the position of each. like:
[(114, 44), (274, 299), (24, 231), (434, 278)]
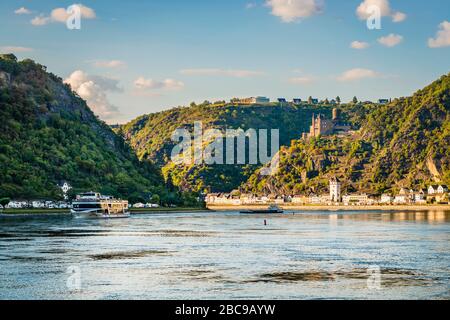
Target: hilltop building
[(251, 100), (336, 114), (322, 127)]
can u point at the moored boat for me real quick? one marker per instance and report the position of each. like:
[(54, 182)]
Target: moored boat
[(271, 210), (94, 205)]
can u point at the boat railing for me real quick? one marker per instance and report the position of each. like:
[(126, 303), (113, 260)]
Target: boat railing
[(115, 201)]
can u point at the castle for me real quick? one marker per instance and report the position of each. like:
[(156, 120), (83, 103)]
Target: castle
[(321, 126)]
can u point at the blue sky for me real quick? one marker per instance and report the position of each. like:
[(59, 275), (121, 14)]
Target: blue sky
[(138, 57)]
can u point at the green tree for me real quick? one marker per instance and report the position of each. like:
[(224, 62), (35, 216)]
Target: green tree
[(156, 199), (4, 201)]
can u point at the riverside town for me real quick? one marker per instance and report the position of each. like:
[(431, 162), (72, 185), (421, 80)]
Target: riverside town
[(211, 156)]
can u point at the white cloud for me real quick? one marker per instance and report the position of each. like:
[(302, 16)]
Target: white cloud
[(109, 64), (250, 5), (359, 45), (442, 38), (363, 11), (22, 10), (357, 74), (301, 80), (94, 89), (398, 17), (142, 83), (40, 20), (294, 10), (14, 49), (222, 72), (61, 15), (391, 40)]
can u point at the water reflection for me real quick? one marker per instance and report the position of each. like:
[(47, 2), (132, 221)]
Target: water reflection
[(301, 255), (419, 216)]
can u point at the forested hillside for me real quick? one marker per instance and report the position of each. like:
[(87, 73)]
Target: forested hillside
[(150, 137), (48, 134), (401, 144)]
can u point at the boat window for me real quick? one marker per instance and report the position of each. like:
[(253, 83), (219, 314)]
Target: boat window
[(88, 206)]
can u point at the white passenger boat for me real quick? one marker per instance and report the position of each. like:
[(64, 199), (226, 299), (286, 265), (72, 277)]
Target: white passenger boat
[(94, 205)]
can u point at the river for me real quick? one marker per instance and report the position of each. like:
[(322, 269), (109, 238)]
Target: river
[(225, 255)]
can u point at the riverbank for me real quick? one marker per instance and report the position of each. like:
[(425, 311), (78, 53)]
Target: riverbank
[(66, 212), (337, 208), (34, 211), (135, 211)]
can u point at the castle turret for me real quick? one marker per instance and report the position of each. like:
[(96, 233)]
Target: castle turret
[(336, 114)]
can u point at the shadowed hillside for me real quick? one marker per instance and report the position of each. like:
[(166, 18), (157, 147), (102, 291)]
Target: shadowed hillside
[(49, 134)]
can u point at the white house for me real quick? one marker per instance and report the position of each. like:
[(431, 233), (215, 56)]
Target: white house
[(38, 204), (401, 199), (419, 197), (356, 199), (386, 199), (248, 199), (17, 204), (279, 200), (315, 199), (139, 205), (298, 199), (433, 189), (325, 199), (222, 199), (442, 189), (211, 198)]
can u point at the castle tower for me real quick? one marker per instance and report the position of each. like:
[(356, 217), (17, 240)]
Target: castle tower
[(319, 125), (336, 114), (335, 190), (312, 132)]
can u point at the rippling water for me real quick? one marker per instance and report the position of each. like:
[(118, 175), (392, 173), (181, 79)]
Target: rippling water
[(319, 255)]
